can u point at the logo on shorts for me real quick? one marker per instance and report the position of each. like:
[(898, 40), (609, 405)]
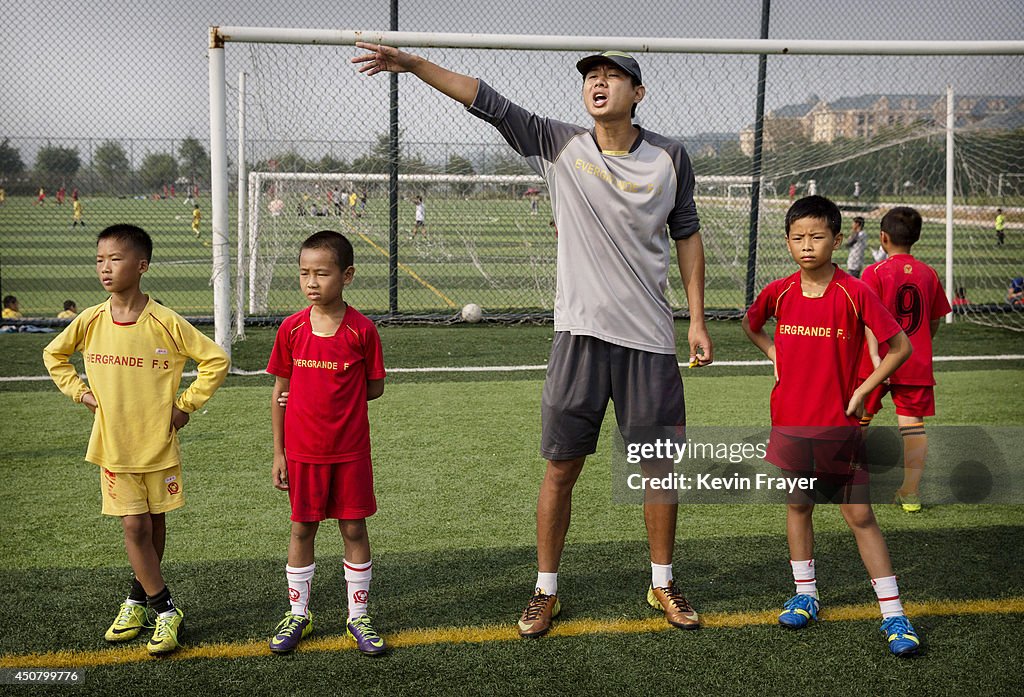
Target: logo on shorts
[(293, 595), (360, 596), (111, 483), (173, 488), (161, 352)]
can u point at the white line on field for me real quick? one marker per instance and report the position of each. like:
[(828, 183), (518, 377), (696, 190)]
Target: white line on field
[(526, 368)]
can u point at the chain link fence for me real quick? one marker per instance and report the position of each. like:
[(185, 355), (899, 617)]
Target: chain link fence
[(113, 109)]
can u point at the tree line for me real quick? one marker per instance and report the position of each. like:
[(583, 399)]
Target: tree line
[(109, 172)]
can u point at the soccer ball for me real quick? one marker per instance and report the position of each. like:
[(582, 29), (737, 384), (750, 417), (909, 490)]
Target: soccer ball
[(472, 313)]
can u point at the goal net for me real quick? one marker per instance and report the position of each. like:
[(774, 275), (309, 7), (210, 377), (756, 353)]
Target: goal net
[(868, 131)]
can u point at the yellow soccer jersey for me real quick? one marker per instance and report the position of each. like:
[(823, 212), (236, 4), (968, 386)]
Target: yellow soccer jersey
[(66, 314), (197, 215), (134, 372), (8, 313), (77, 206)]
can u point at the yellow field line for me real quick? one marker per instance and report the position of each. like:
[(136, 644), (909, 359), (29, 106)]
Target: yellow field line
[(505, 632), (415, 276)]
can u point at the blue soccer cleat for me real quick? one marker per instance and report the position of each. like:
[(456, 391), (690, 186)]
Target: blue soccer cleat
[(798, 611), (903, 640)]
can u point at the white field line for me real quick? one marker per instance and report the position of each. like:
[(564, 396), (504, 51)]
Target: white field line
[(526, 368)]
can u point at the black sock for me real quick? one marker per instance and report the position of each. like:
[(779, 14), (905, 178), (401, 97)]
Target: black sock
[(137, 593), (161, 602)]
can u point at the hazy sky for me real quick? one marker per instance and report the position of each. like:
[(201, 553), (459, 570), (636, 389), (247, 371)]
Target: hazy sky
[(137, 69)]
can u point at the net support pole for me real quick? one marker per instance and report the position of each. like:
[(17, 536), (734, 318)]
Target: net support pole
[(242, 203), (755, 174), (221, 276), (393, 181), (950, 123)]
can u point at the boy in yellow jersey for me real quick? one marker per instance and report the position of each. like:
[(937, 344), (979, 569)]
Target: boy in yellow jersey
[(197, 217), (76, 213), (134, 350)]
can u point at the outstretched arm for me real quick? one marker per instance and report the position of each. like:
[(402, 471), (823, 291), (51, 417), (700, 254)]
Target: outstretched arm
[(461, 88)]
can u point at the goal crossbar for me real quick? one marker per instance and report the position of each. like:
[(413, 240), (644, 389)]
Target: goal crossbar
[(339, 37)]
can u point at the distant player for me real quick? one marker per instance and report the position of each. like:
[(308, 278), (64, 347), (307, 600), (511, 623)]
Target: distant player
[(134, 352), (911, 291), (61, 193), (41, 197), (1000, 227), (197, 218), (70, 310), (420, 225), (820, 316), (327, 362), (353, 199), (857, 245), (76, 213)]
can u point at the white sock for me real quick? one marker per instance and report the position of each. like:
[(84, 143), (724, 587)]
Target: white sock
[(888, 594), (547, 583), (357, 579), (300, 581), (661, 575), (803, 576)]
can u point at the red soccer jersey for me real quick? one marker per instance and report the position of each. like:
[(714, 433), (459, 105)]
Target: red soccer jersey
[(818, 342), (911, 291), (326, 418)]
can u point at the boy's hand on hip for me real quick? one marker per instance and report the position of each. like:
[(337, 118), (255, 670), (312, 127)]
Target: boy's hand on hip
[(856, 405), (179, 419), (279, 473), (89, 400)]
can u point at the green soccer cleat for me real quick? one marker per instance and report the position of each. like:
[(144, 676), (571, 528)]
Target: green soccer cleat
[(290, 631), (130, 620), (910, 503), (165, 636), (368, 641)]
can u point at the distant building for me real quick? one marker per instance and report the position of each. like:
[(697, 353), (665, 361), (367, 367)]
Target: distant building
[(706, 144), (865, 116)]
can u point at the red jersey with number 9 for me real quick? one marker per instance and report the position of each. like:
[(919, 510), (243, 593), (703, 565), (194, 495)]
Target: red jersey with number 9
[(911, 291)]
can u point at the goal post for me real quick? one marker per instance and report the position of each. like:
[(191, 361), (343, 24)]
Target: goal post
[(870, 136)]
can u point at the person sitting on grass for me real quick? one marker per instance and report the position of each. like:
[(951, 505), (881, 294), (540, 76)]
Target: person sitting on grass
[(70, 310), (12, 309)]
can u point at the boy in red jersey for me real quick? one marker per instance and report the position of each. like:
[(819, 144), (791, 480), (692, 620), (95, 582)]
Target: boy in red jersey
[(821, 313), (911, 291), (328, 362)]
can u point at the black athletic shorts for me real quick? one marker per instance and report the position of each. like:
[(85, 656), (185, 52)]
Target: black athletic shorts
[(584, 372)]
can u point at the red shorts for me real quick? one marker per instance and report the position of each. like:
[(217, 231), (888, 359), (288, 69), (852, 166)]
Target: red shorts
[(341, 490), (909, 400), (836, 460)]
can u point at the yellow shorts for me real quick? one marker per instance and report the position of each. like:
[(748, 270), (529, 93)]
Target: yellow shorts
[(128, 493)]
